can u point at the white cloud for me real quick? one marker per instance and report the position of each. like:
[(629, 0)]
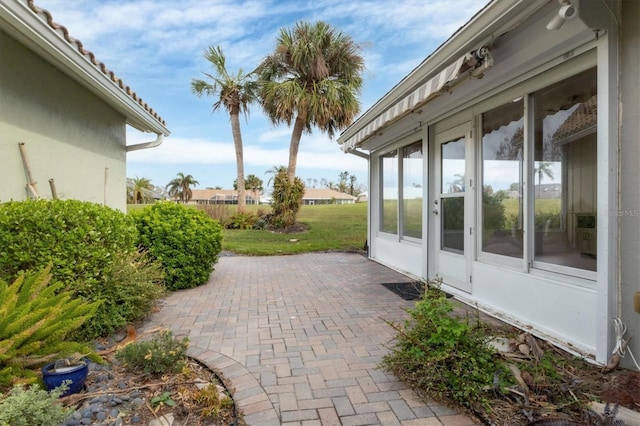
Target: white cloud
[(156, 47)]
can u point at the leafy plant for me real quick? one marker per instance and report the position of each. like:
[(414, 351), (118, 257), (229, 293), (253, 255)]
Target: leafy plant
[(35, 318), (78, 238), (441, 354), (163, 399), (210, 402), (162, 353), (242, 221), (287, 200), (32, 407), (92, 249), (135, 282), (184, 240)]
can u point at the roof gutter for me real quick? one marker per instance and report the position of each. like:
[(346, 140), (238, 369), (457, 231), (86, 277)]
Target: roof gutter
[(146, 145)]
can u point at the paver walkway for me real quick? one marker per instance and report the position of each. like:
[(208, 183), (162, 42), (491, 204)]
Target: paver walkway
[(300, 338)]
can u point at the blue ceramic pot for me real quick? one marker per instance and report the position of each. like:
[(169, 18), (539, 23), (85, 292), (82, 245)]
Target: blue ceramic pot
[(53, 377)]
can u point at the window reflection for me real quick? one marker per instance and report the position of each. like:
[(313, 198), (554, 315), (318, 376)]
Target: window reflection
[(453, 224), (452, 187), (453, 166), (412, 169), (564, 172), (502, 176), (389, 179)]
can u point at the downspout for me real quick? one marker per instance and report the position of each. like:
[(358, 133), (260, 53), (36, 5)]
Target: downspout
[(146, 145)]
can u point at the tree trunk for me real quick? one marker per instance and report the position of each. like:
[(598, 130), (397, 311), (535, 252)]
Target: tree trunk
[(296, 135), (237, 141)]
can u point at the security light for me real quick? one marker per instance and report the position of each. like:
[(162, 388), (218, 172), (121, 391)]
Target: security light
[(566, 11)]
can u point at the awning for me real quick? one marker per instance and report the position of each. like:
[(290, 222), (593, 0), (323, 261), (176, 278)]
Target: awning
[(472, 64)]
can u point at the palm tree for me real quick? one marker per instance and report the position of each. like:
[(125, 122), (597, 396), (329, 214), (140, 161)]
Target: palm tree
[(254, 184), (312, 79), (235, 92), (142, 188), (543, 169), (458, 183), (180, 187), (251, 183)]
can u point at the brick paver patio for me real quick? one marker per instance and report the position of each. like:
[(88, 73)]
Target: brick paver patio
[(300, 338)]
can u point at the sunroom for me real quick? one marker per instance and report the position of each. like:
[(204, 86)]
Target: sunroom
[(494, 166)]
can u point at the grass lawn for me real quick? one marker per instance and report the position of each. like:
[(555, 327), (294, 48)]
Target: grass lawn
[(329, 227), (339, 227)]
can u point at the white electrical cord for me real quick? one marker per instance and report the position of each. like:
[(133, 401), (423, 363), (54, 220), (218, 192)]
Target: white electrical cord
[(620, 330)]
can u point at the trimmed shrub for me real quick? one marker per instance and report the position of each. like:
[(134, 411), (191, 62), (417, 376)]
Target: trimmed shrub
[(93, 252), (79, 238), (184, 240)]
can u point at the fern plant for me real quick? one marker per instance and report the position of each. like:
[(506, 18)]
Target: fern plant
[(35, 318)]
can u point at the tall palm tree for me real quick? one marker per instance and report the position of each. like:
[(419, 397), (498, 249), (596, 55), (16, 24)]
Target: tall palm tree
[(542, 169), (312, 79), (254, 184), (142, 188), (180, 187), (235, 92)]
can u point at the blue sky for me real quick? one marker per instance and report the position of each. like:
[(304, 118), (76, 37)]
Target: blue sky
[(156, 47)]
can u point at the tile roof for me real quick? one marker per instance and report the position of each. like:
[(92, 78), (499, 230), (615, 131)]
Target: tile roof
[(584, 117), (46, 16), (309, 194), (325, 194)]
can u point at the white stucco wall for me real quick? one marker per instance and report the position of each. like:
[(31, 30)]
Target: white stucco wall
[(629, 174), (70, 135)]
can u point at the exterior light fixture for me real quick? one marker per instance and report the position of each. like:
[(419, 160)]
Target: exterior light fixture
[(567, 11)]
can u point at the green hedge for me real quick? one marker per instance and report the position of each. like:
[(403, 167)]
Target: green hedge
[(185, 240), (92, 250)]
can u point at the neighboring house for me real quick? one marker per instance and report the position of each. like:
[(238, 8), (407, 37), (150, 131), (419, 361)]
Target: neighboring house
[(67, 109), (525, 95), (326, 196), (230, 196), (221, 196)]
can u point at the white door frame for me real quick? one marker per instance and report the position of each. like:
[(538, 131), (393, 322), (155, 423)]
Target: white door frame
[(453, 266)]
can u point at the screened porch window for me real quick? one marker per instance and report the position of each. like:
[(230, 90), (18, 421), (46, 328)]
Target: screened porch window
[(550, 161), (389, 180), (502, 176), (401, 177), (564, 172), (412, 175)]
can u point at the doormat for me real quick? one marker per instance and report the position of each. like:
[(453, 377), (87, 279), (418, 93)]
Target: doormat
[(408, 291)]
